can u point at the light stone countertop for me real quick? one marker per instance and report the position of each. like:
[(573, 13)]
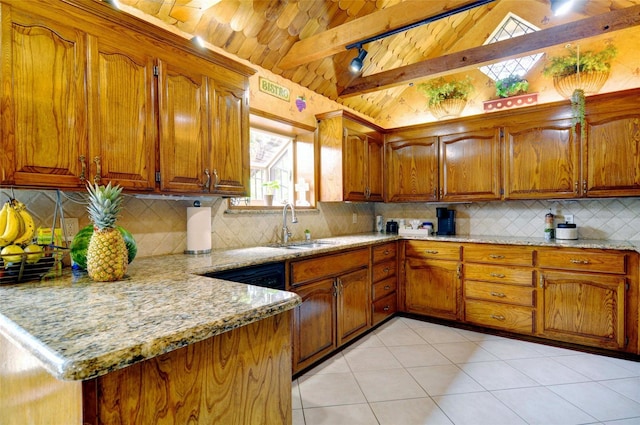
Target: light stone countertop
[(81, 329)]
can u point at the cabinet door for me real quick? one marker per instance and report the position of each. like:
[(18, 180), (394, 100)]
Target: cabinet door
[(612, 155), (541, 161), (122, 140), (586, 309), (355, 169), (412, 170), (314, 333), (354, 304), (184, 129), (43, 103), (470, 166), (432, 287), (375, 169), (230, 140)]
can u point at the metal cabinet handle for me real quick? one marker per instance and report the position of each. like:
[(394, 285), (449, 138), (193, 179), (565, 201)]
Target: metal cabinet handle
[(500, 275), (83, 173), (496, 256), (429, 251), (584, 186), (207, 184), (97, 177), (335, 288), (386, 252), (578, 261), (216, 180), (576, 187), (498, 294), (498, 317), (541, 281), (386, 308), (459, 271), (387, 287), (386, 270)]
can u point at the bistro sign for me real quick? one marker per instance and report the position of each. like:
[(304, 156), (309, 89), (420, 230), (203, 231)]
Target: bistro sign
[(273, 89)]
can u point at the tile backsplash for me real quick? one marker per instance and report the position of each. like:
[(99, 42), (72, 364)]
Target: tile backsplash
[(159, 225)]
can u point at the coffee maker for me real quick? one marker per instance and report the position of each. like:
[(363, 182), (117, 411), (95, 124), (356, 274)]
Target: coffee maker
[(446, 222)]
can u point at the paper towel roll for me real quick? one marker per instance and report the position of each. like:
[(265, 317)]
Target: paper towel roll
[(198, 230)]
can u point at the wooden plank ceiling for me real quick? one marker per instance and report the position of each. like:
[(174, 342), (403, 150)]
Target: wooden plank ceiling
[(304, 40)]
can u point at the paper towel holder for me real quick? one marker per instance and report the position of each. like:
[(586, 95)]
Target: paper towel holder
[(195, 245)]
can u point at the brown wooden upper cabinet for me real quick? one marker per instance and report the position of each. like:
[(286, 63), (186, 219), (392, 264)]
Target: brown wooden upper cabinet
[(542, 160), (351, 155), (460, 166), (82, 103)]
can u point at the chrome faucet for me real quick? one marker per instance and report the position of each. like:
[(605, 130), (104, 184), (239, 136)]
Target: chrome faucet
[(286, 234)]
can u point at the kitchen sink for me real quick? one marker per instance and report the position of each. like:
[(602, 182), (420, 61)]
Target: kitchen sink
[(303, 245)]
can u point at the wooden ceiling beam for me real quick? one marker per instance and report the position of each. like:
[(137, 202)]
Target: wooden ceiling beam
[(335, 40), (483, 55)]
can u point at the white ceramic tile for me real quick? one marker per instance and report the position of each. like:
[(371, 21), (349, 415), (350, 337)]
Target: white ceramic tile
[(417, 411), (629, 387), (509, 349), (394, 337), (296, 401), (598, 401), (444, 379), (334, 364), (630, 421), (633, 366), (418, 355), (497, 375), (366, 359), (477, 409), (547, 371), (298, 417), (329, 390), (391, 384), (355, 414), (464, 352), (440, 334), (595, 367), (367, 341)]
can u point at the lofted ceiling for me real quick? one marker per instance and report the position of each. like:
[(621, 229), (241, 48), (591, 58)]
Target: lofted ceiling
[(305, 40)]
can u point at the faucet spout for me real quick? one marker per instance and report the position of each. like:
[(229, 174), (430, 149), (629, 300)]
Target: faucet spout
[(286, 234)]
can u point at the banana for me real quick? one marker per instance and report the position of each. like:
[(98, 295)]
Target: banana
[(28, 223), (13, 227), (3, 222)]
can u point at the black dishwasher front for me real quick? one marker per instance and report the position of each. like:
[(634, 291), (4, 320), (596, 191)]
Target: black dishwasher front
[(270, 275)]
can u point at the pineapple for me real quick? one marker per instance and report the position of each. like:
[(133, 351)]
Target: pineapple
[(107, 253)]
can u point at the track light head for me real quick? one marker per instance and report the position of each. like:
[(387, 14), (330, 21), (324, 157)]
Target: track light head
[(356, 64)]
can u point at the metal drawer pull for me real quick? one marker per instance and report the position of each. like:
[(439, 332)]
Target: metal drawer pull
[(498, 294), (428, 251), (496, 275), (497, 317), (577, 261), (386, 252), (496, 256), (387, 287), (386, 270), (386, 308)]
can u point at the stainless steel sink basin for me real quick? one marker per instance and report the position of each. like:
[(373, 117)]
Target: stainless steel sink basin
[(303, 245)]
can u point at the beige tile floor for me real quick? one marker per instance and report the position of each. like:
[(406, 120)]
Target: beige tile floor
[(412, 372)]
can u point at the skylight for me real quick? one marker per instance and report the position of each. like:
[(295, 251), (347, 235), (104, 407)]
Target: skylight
[(510, 27)]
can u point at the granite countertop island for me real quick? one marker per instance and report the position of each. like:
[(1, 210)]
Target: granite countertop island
[(80, 329)]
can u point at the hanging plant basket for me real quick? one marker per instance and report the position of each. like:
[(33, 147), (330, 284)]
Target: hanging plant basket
[(590, 82), (448, 108)]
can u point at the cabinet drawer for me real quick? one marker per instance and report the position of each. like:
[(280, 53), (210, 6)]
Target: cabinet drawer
[(384, 288), (384, 252), (428, 249), (384, 307), (507, 317), (500, 293), (328, 265), (583, 260), (384, 270), (491, 273), (499, 254)]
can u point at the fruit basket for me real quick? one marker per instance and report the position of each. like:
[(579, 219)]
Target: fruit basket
[(15, 268)]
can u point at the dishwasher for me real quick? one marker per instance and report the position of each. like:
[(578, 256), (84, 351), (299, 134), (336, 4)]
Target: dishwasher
[(270, 275)]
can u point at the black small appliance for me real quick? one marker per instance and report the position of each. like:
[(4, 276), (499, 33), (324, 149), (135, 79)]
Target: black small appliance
[(446, 222)]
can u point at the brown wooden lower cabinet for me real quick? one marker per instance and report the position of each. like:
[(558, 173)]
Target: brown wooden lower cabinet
[(242, 376), (336, 303)]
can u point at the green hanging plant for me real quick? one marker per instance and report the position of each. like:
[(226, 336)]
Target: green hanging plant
[(439, 89), (589, 61), (578, 109)]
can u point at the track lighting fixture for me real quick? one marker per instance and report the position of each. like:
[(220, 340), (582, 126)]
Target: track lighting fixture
[(560, 7), (356, 63)]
